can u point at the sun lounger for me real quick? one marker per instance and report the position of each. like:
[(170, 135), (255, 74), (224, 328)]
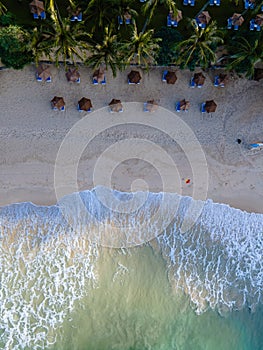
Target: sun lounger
[(252, 24), (177, 107), (185, 2), (203, 107), (192, 83), (164, 76), (35, 15), (202, 25), (216, 81), (81, 110), (78, 80), (120, 20), (43, 15), (128, 21), (48, 80), (174, 23), (236, 27), (229, 23), (38, 78), (214, 2), (94, 81), (145, 109), (62, 109), (169, 22), (258, 28), (192, 2), (79, 17), (133, 83), (258, 145)]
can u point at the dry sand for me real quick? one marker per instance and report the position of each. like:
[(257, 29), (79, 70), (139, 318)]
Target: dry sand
[(31, 134)]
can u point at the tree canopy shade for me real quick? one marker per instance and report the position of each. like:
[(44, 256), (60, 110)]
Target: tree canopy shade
[(14, 51), (169, 37), (246, 54), (198, 49)]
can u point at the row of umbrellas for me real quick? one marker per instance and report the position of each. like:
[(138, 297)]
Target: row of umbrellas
[(84, 104)]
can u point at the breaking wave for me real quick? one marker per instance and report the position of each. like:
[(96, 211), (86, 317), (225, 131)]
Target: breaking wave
[(49, 254)]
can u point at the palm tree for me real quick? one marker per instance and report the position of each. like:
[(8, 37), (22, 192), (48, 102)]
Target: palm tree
[(247, 53), (65, 40), (199, 48), (142, 47), (3, 9), (106, 52), (122, 6), (150, 7), (99, 12)]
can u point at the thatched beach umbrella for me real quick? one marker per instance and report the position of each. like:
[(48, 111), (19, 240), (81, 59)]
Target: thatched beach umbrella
[(73, 12), (259, 19), (237, 19), (178, 16), (73, 75), (99, 75), (204, 17), (57, 102), (43, 72), (37, 7), (171, 77), (152, 105), (134, 77), (199, 78), (85, 104), (222, 79), (115, 105), (127, 15), (210, 106), (184, 105)]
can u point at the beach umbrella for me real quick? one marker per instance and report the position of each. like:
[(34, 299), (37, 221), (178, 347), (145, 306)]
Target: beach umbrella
[(152, 105), (57, 102), (259, 19), (43, 72), (115, 105), (134, 77), (178, 16), (171, 77), (85, 104), (210, 106), (222, 78), (184, 105), (199, 78), (204, 17), (127, 15), (99, 75), (237, 19), (258, 74), (73, 12), (73, 75), (36, 6)]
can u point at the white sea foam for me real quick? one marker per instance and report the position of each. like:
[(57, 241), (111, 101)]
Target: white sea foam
[(48, 257)]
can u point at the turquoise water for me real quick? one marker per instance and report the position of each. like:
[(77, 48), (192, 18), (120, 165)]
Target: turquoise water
[(67, 282)]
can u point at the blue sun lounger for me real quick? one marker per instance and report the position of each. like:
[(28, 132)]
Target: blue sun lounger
[(81, 110), (214, 2), (216, 81), (164, 76), (177, 107), (229, 23), (43, 15), (236, 27), (95, 81), (35, 16), (203, 107), (120, 20), (145, 109), (192, 83)]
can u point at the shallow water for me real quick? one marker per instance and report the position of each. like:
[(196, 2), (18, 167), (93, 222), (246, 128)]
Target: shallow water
[(180, 280)]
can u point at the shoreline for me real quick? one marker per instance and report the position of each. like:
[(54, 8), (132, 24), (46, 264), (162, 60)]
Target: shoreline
[(31, 134)]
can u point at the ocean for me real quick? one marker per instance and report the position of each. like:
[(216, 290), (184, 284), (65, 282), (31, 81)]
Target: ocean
[(166, 272)]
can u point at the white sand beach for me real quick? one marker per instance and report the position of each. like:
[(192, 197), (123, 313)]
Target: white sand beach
[(31, 134)]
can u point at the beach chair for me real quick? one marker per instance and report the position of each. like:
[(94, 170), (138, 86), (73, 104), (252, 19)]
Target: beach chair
[(128, 21), (169, 22), (81, 110), (257, 145), (35, 15), (38, 77), (236, 27), (43, 15), (177, 107), (120, 20), (229, 23), (203, 107), (185, 2), (192, 2), (252, 24), (94, 81), (145, 109), (78, 80), (174, 23), (103, 82), (192, 83), (164, 76), (62, 109), (48, 80), (202, 25), (72, 18), (79, 17), (258, 27), (216, 81)]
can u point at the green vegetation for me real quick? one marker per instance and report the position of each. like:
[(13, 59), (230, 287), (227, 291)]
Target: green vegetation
[(100, 40)]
